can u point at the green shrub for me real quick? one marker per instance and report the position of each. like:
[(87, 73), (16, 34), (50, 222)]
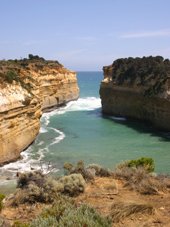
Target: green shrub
[(73, 184), (44, 222), (143, 162), (20, 224), (147, 163), (57, 209), (10, 76), (83, 216), (65, 213), (2, 196)]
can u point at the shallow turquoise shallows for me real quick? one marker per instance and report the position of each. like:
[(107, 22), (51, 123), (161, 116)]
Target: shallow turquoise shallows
[(80, 132)]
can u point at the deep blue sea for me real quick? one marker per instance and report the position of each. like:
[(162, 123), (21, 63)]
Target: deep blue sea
[(79, 131)]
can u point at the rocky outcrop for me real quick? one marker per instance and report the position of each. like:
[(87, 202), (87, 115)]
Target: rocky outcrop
[(138, 88), (27, 88)]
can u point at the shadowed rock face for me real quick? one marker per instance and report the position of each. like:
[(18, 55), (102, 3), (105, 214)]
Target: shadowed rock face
[(28, 87), (138, 88)]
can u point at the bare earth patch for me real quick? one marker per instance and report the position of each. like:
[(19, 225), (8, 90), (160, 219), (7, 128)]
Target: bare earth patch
[(110, 197), (107, 194)]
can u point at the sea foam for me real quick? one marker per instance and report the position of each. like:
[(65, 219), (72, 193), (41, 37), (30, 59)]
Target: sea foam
[(28, 162)]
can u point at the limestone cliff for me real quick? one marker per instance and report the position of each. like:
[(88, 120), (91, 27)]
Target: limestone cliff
[(28, 87), (138, 88)]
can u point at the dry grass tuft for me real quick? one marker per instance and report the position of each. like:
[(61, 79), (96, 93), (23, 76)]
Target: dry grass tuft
[(121, 210), (151, 186)]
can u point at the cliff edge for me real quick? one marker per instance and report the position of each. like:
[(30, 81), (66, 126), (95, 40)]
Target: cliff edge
[(27, 88), (138, 88)]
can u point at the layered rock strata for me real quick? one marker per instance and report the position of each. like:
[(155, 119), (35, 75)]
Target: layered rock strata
[(27, 88), (138, 88)]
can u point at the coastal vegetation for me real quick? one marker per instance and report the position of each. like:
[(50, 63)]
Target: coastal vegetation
[(144, 162), (2, 196), (90, 196), (13, 70), (151, 73)]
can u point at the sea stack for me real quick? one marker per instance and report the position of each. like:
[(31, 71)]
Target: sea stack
[(138, 88), (27, 88)]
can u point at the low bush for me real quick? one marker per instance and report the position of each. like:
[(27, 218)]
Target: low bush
[(2, 196), (147, 163), (65, 213), (83, 216), (36, 187), (88, 172), (36, 177), (78, 168), (144, 162), (10, 76), (139, 179), (130, 174), (73, 184), (59, 206), (20, 224), (44, 222), (99, 170)]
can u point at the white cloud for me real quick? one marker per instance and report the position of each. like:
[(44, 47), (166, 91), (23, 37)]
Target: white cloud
[(147, 34)]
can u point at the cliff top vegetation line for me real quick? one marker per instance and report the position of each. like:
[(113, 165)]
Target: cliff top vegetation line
[(150, 73), (10, 70)]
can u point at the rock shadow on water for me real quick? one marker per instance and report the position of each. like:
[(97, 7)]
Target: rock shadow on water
[(96, 112), (143, 127)]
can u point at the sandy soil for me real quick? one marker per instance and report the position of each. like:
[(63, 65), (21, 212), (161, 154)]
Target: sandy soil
[(101, 194)]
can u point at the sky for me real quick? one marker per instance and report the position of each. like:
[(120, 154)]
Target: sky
[(84, 35)]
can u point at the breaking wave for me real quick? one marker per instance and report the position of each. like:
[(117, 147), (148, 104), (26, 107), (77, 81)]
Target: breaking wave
[(29, 160)]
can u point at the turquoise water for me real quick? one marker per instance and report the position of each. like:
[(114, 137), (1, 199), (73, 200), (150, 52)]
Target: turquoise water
[(80, 132)]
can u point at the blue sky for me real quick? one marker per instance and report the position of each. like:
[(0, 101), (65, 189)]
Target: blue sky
[(84, 34)]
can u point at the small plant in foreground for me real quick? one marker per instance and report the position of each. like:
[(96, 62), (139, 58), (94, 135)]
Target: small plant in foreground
[(2, 196), (65, 213), (20, 224)]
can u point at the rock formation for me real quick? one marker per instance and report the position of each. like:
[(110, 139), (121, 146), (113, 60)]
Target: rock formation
[(138, 88), (28, 87)]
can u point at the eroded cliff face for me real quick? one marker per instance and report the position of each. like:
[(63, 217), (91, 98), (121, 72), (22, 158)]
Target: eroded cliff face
[(141, 97), (27, 88)]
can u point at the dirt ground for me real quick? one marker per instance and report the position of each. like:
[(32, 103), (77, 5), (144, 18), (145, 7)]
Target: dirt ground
[(106, 191), (101, 194)]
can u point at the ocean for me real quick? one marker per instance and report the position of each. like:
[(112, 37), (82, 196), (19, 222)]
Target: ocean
[(79, 131)]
